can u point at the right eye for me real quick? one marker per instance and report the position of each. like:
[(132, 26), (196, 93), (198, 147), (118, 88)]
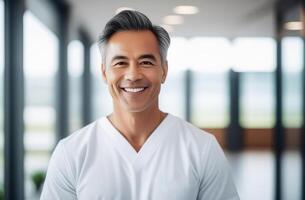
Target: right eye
[(120, 63)]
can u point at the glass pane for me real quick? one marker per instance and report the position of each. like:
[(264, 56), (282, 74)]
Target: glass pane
[(257, 101), (209, 106), (255, 59), (210, 103), (40, 67), (1, 96), (292, 115), (292, 81), (102, 101), (75, 71)]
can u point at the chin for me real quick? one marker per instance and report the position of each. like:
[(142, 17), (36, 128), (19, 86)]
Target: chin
[(136, 108)]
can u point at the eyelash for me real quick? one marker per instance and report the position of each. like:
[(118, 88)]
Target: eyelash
[(146, 63), (125, 63), (120, 63)]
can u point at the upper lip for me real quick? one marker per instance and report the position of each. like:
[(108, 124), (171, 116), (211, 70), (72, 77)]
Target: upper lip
[(140, 86)]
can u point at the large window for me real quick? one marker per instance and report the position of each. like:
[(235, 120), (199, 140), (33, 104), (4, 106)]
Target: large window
[(254, 58), (75, 71), (1, 94), (102, 102), (40, 67), (210, 59)]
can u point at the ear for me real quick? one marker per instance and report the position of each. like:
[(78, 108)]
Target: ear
[(103, 68), (165, 69)]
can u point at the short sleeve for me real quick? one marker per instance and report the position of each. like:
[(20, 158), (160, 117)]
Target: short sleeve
[(59, 182), (216, 181)]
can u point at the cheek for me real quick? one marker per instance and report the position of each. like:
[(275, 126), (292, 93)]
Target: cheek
[(155, 75), (111, 77), (156, 79)]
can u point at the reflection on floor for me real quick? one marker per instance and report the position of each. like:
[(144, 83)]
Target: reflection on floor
[(253, 172)]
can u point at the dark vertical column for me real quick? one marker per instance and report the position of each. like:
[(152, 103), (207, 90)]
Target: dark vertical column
[(303, 124), (278, 135), (234, 136), (188, 94), (14, 100), (87, 86), (62, 76)]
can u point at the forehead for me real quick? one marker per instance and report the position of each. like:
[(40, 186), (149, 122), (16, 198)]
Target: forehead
[(132, 43)]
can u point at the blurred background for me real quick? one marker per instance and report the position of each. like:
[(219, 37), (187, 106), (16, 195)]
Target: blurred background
[(236, 69)]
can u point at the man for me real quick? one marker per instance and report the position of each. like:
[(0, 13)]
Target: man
[(138, 152)]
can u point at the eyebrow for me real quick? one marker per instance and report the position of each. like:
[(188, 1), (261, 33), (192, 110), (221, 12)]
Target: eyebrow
[(149, 56), (119, 57)]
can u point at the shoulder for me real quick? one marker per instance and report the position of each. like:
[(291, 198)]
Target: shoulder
[(66, 163), (81, 137), (192, 134), (206, 143), (214, 172), (76, 149), (77, 145)]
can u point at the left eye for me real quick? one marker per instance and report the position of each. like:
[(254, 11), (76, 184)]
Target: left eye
[(146, 63)]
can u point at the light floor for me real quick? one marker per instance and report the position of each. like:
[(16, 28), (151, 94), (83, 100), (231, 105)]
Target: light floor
[(253, 172)]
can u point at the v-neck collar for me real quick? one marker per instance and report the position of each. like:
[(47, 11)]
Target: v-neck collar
[(137, 159)]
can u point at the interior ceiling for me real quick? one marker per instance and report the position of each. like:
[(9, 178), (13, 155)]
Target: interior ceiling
[(234, 18)]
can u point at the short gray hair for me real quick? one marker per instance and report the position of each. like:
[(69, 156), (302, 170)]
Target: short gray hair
[(129, 20)]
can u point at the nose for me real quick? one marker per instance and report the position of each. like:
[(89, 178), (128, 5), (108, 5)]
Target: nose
[(133, 72)]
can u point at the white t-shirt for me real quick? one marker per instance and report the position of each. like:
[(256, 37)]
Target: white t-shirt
[(177, 162)]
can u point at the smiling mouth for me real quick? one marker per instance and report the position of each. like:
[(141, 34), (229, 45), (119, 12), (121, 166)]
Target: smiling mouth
[(134, 90)]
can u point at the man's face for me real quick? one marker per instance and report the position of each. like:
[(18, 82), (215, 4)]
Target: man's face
[(134, 70)]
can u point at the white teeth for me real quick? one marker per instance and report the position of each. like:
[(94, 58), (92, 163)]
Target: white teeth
[(134, 89)]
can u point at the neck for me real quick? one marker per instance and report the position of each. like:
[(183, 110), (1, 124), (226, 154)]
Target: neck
[(136, 127)]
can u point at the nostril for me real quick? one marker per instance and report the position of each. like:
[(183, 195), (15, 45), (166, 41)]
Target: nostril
[(133, 76)]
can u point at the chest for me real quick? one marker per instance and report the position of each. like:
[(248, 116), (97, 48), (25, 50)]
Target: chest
[(163, 176)]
